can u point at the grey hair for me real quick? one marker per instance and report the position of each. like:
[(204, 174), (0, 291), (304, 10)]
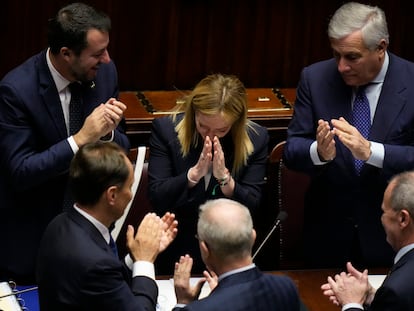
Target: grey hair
[(226, 238), (402, 195), (354, 16)]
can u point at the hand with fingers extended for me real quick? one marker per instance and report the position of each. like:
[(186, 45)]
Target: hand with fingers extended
[(211, 278), (184, 292), (326, 142), (202, 166), (145, 245), (349, 135), (351, 287), (219, 163), (169, 230)]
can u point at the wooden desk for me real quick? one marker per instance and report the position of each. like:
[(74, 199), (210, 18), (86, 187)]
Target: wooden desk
[(272, 108), (309, 286)]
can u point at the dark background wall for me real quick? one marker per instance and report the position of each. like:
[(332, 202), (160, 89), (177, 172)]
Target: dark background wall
[(168, 44)]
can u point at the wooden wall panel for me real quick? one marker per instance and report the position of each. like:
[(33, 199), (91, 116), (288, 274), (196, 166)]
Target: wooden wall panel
[(166, 45)]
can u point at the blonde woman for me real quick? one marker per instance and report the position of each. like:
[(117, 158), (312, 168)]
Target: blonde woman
[(207, 150)]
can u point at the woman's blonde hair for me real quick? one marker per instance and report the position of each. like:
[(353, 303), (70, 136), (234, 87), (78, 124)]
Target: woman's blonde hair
[(217, 94)]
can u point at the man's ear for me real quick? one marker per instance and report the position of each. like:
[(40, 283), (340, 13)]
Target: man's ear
[(404, 217), (111, 194), (204, 248), (66, 52), (254, 235)]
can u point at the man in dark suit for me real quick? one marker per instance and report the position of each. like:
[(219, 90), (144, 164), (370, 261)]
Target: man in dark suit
[(35, 141), (342, 205), (78, 267), (226, 237), (352, 290)]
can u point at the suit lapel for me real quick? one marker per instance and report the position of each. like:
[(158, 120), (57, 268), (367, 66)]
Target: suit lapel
[(403, 260), (50, 96), (390, 103), (340, 106), (91, 230)]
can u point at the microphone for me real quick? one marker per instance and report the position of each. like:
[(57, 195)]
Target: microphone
[(280, 217)]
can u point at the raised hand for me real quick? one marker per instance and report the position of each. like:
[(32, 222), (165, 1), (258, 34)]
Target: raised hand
[(326, 141), (169, 230), (183, 290), (145, 245)]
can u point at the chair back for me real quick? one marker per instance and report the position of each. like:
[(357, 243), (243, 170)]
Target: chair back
[(140, 205), (291, 187)]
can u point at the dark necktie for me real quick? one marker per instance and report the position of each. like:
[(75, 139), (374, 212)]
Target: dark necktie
[(75, 124), (112, 244), (75, 108), (361, 119)]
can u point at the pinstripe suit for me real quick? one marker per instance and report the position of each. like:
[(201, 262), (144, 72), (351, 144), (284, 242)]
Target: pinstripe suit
[(250, 290)]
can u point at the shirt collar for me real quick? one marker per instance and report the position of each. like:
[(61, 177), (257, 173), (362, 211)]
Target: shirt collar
[(101, 227), (403, 251), (231, 272), (60, 82), (381, 75)]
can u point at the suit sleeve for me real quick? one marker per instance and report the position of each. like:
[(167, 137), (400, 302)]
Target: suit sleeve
[(301, 132), (387, 299), (168, 170), (115, 293), (31, 152)]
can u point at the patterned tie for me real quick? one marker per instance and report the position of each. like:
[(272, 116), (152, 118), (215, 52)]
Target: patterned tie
[(75, 124), (361, 119), (112, 244), (75, 108)]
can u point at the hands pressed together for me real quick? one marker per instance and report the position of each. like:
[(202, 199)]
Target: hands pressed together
[(153, 236), (184, 292), (346, 133), (351, 287), (103, 119), (212, 154)]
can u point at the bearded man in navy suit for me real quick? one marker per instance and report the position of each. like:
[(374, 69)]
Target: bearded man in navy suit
[(35, 141), (226, 237)]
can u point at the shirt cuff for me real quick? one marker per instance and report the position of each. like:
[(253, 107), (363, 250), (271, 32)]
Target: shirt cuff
[(108, 137), (352, 305), (313, 150), (377, 155), (143, 268), (180, 305), (73, 144)]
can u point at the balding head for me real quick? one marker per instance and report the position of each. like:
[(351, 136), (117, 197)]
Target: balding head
[(227, 228)]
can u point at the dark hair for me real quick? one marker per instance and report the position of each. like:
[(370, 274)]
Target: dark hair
[(71, 24), (96, 167)]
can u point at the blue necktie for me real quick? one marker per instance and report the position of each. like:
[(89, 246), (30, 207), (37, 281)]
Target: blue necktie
[(361, 119), (112, 244)]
